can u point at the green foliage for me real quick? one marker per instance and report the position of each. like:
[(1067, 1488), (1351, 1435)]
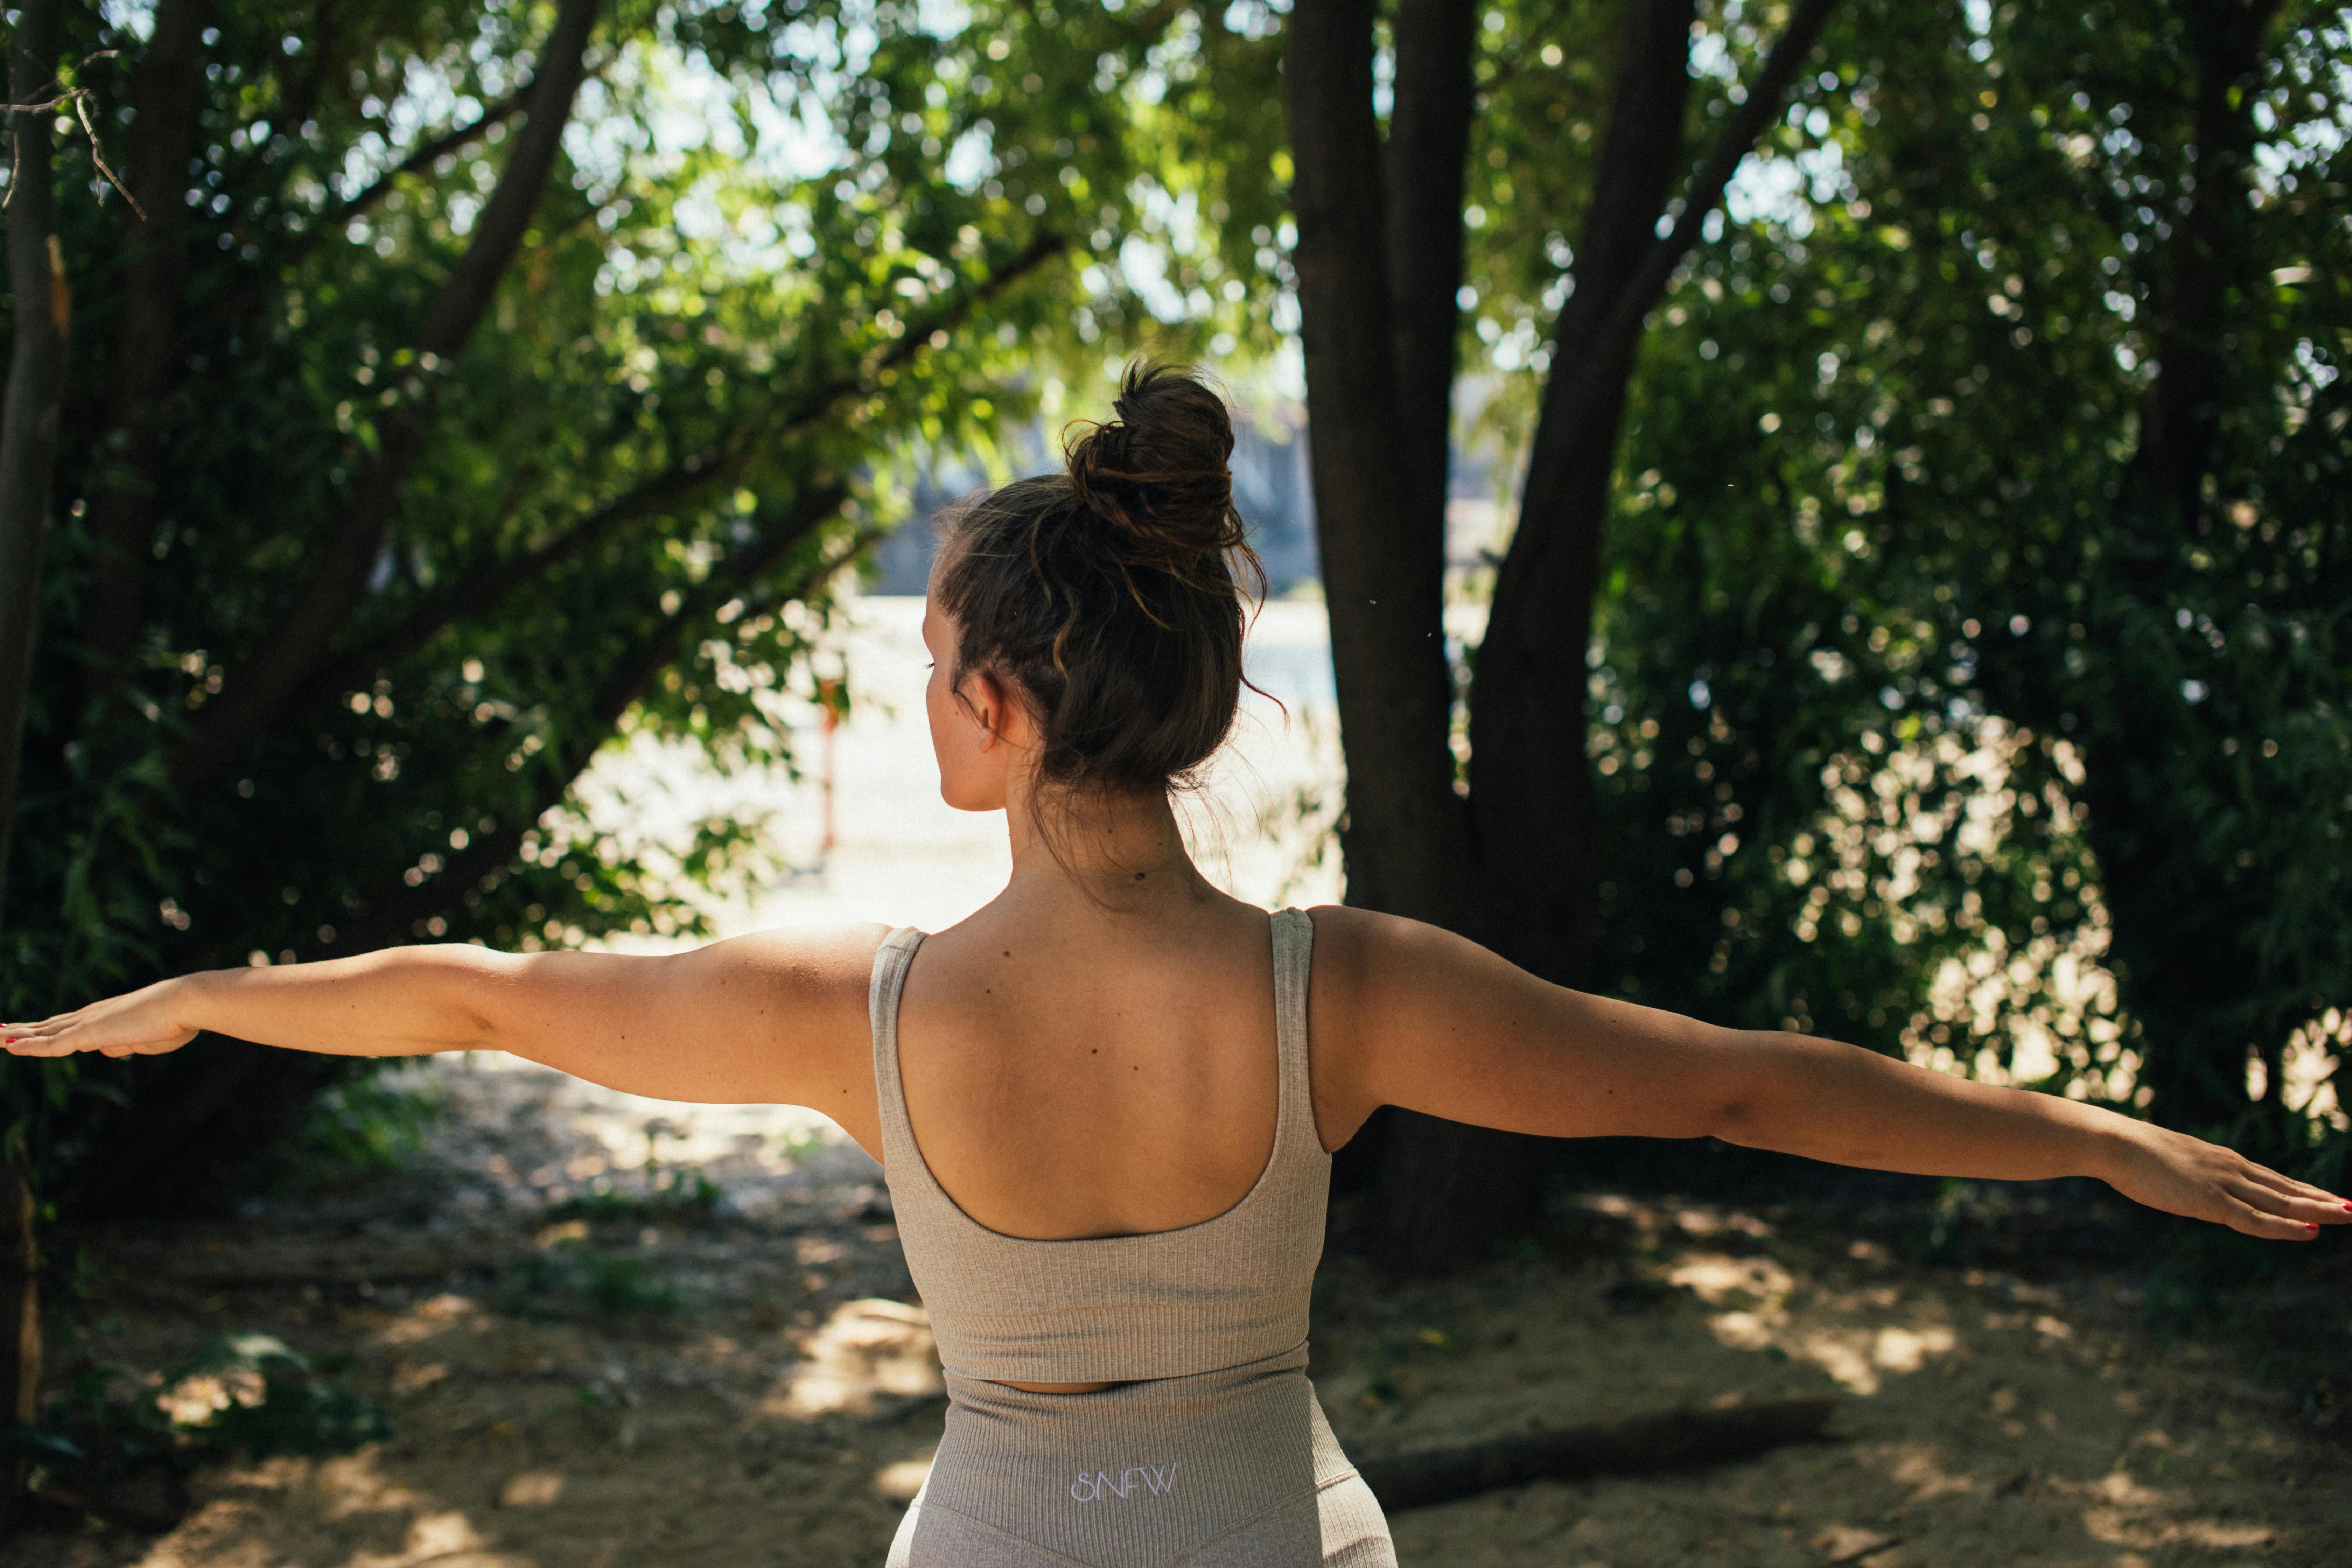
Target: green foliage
[(1891, 411), (356, 1130), (679, 1194), (249, 1391), (572, 1277), (1152, 133), (1905, 693), (786, 250)]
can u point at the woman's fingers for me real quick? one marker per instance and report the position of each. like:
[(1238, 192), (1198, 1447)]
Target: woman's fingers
[(120, 1026), (2249, 1220), (2287, 1184), (40, 1039), (39, 1045), (2273, 1193), (2308, 1212)]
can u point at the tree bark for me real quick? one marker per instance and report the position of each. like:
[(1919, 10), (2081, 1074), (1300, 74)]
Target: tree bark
[(1428, 143), (337, 581), (20, 1307), (166, 90), (1377, 275), (36, 365), (1447, 1194), (1450, 1194)]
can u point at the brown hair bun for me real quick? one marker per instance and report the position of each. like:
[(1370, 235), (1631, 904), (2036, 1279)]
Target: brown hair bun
[(1106, 595), (1158, 472)]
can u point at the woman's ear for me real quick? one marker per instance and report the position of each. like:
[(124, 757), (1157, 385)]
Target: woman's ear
[(1003, 716), (986, 700)]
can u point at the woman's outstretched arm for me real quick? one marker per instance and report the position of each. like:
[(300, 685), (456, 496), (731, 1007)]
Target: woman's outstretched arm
[(1405, 1014), (776, 1016)]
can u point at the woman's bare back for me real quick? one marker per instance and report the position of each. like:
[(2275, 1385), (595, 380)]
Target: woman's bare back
[(1069, 1074)]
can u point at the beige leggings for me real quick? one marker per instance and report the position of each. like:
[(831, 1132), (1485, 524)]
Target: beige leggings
[(1227, 1469)]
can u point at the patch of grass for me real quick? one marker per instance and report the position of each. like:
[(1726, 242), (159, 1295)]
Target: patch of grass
[(572, 1278), (363, 1127), (683, 1194), (251, 1391), (1388, 1361), (801, 1144)]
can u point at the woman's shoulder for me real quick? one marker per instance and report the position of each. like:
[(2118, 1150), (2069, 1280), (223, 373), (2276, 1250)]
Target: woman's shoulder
[(1378, 973), (1348, 938)]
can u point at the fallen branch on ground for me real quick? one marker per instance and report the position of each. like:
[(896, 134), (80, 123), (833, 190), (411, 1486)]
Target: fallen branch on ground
[(1638, 1445)]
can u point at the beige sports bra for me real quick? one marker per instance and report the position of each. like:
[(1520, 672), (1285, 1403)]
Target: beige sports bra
[(1171, 1303)]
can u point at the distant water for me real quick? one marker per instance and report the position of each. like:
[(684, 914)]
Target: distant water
[(1289, 655)]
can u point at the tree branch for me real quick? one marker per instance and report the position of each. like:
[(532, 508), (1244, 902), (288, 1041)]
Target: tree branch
[(1531, 788), (337, 581), (425, 155), (488, 583), (1428, 143), (491, 582), (1640, 291), (253, 288), (401, 917)]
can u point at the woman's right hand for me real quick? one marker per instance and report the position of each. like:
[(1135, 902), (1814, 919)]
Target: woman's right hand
[(140, 1023)]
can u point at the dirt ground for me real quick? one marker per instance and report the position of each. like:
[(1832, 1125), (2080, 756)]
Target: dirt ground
[(756, 1385)]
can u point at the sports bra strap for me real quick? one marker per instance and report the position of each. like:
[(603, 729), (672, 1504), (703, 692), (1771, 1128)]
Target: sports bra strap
[(891, 961), (1294, 958)]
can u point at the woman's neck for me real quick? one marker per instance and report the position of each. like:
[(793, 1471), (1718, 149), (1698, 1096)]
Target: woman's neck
[(1116, 851)]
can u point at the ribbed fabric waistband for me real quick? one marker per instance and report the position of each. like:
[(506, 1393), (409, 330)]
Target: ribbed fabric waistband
[(1139, 1472)]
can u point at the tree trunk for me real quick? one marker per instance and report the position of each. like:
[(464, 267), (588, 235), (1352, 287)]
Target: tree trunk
[(28, 421), (1428, 144), (165, 89), (20, 1310), (1377, 275), (1406, 839), (1516, 869), (1531, 783)]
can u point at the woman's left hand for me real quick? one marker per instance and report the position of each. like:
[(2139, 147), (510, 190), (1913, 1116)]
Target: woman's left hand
[(2184, 1175)]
